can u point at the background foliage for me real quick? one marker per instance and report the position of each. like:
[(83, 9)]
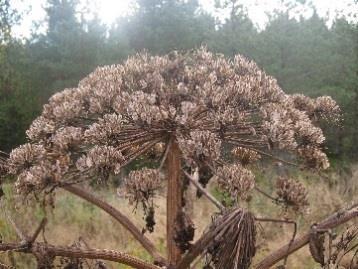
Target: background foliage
[(305, 54)]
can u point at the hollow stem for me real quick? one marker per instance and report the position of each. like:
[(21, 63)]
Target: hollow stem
[(174, 199)]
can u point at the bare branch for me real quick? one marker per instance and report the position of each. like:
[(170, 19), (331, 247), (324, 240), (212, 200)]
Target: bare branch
[(329, 223), (162, 162), (204, 191), (283, 221), (267, 195), (71, 252), (122, 219), (275, 158), (37, 231)]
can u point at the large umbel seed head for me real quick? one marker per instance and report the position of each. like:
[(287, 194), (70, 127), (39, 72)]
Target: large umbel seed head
[(203, 100)]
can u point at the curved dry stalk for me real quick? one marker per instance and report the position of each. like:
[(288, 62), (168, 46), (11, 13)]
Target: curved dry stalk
[(203, 191), (71, 252), (44, 250), (38, 230), (282, 221), (122, 219), (266, 194), (265, 154), (332, 221)]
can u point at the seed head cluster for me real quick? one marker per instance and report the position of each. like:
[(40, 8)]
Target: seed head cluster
[(140, 188), (140, 185), (292, 193), (245, 155), (236, 180), (200, 145), (202, 100)]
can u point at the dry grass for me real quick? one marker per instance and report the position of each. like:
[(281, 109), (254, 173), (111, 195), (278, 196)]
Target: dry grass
[(73, 218)]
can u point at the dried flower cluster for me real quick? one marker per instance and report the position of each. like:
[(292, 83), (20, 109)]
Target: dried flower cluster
[(200, 145), (202, 100), (102, 160), (34, 172), (322, 107), (313, 157), (236, 180), (140, 187), (234, 239), (245, 155), (292, 193), (25, 156)]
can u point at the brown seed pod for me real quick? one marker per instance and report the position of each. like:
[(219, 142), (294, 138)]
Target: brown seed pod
[(205, 174), (149, 219), (236, 180), (140, 187), (184, 232), (234, 234), (245, 155), (316, 247), (292, 193)]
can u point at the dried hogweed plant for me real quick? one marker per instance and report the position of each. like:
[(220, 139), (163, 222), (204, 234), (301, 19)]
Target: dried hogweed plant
[(292, 193), (332, 251), (234, 239), (344, 251), (140, 188), (188, 110)]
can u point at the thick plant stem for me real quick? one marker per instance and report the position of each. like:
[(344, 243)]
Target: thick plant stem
[(329, 223), (122, 219), (174, 200), (64, 251)]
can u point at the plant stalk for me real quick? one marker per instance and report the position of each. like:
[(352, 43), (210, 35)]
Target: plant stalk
[(122, 219), (174, 200), (329, 223)]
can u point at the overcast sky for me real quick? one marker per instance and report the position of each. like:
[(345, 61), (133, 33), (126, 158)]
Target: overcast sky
[(109, 10)]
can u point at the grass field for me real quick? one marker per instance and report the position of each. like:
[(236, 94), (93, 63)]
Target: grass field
[(73, 218)]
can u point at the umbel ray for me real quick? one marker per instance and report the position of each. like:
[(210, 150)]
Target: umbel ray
[(195, 112)]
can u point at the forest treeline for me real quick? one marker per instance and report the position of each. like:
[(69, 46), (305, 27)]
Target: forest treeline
[(304, 54)]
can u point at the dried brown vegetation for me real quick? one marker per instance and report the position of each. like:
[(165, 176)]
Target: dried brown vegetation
[(185, 110)]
